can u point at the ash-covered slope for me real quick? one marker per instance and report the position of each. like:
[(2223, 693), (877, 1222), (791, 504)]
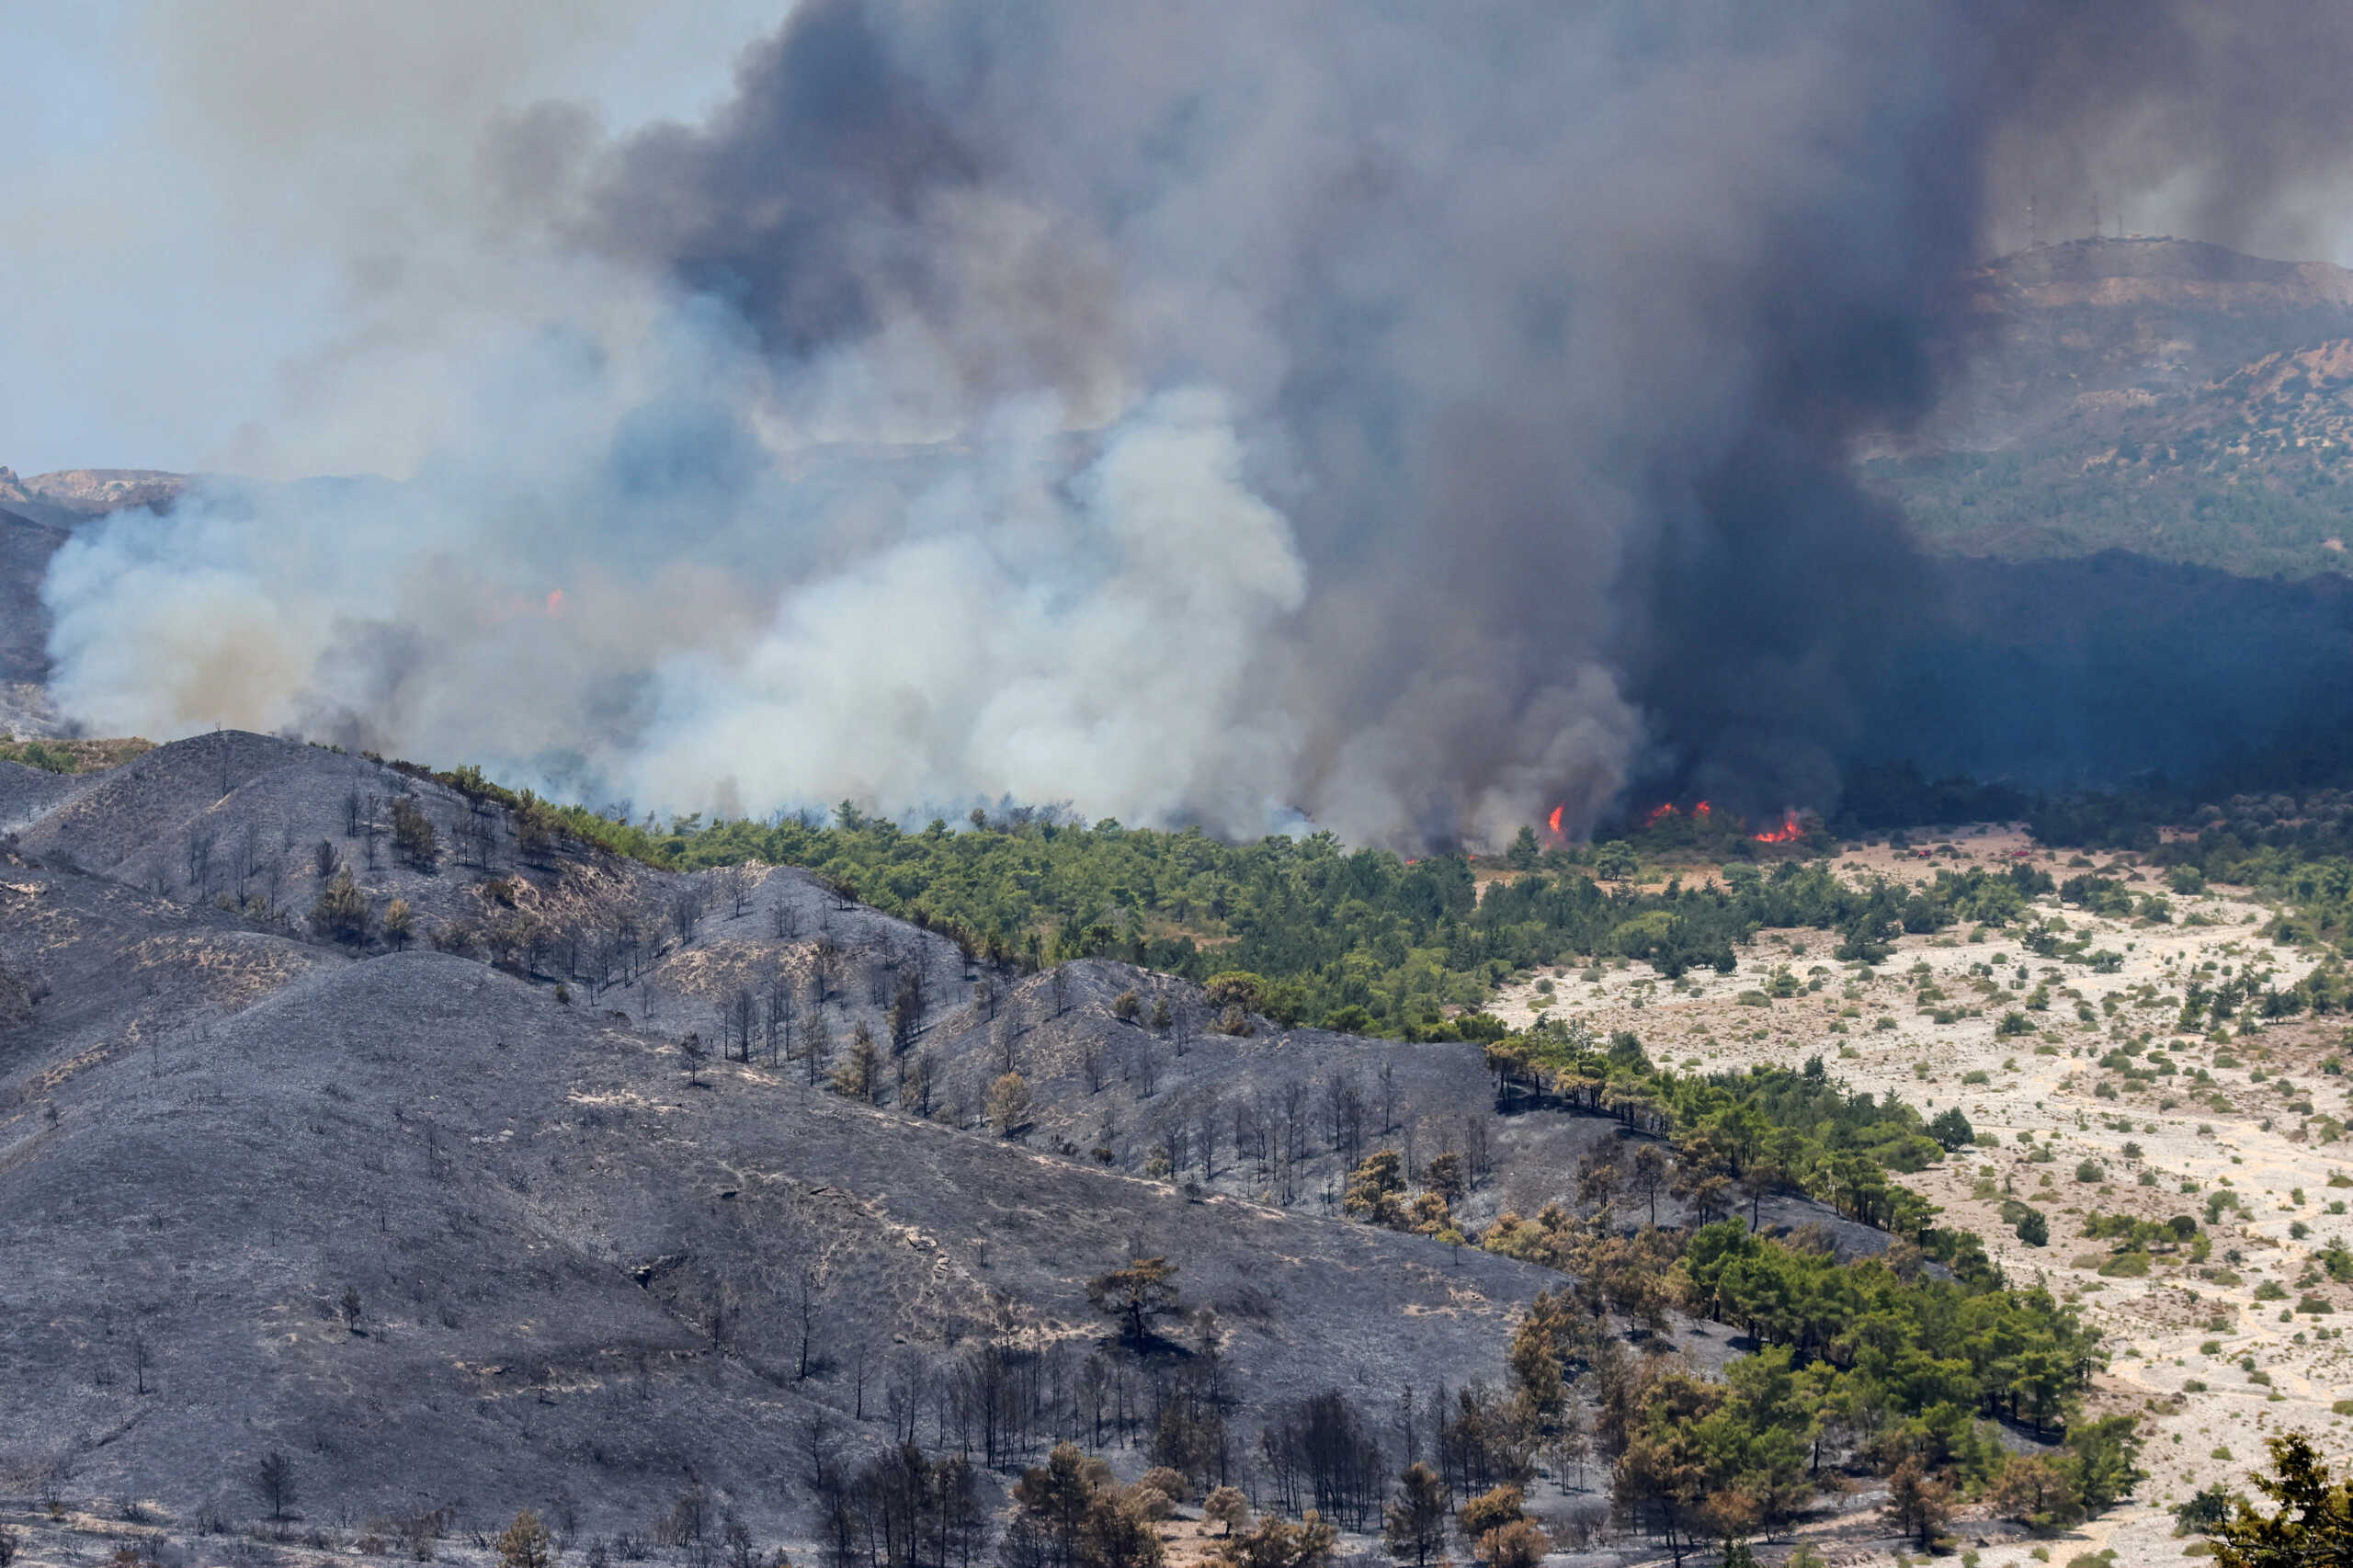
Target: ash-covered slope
[(1127, 1069), (244, 816), (28, 794), (438, 1234)]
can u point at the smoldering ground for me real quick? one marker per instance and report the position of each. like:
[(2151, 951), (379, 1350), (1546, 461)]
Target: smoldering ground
[(1397, 418)]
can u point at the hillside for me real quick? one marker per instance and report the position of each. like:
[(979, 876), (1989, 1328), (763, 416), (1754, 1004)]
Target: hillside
[(88, 492), (25, 549), (2067, 330), (2172, 399), (381, 1121), (441, 1233), (2113, 1102), (36, 517)]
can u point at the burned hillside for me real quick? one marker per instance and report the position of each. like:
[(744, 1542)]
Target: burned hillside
[(447, 1223)]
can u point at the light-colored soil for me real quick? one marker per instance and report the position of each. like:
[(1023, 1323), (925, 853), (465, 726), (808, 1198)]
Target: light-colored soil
[(2255, 1125)]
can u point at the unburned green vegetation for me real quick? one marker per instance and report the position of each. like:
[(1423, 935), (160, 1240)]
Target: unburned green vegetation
[(1364, 940)]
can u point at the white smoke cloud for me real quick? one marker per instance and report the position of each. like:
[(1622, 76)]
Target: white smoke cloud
[(1018, 617), (1025, 634)]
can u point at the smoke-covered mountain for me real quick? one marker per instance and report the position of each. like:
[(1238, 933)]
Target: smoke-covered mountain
[(2067, 332), (2181, 410), (1404, 421), (2177, 409), (2173, 400)]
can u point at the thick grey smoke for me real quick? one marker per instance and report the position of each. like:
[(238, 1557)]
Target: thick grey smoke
[(1405, 418)]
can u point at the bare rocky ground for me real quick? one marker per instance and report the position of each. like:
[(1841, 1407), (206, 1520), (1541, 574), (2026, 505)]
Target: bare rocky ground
[(450, 1238), (2251, 1114)]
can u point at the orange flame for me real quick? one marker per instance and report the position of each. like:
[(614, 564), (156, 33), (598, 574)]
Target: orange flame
[(1789, 832), (555, 601), (1658, 813), (1553, 822)]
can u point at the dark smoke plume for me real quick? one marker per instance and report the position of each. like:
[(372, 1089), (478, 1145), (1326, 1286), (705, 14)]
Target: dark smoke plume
[(1402, 417)]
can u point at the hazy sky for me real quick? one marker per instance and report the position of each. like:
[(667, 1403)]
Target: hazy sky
[(209, 202), (241, 233)]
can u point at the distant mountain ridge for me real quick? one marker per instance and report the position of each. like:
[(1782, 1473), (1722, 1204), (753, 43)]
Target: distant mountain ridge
[(2163, 397), (2061, 331), (26, 546), (91, 492)]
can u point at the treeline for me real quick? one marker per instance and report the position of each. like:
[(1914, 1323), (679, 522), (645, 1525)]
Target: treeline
[(1872, 798), (2181, 828), (2242, 501), (1903, 1364), (1364, 942), (1713, 1145), (1880, 798), (1884, 1365), (2297, 849), (1876, 1367), (1738, 1136)]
